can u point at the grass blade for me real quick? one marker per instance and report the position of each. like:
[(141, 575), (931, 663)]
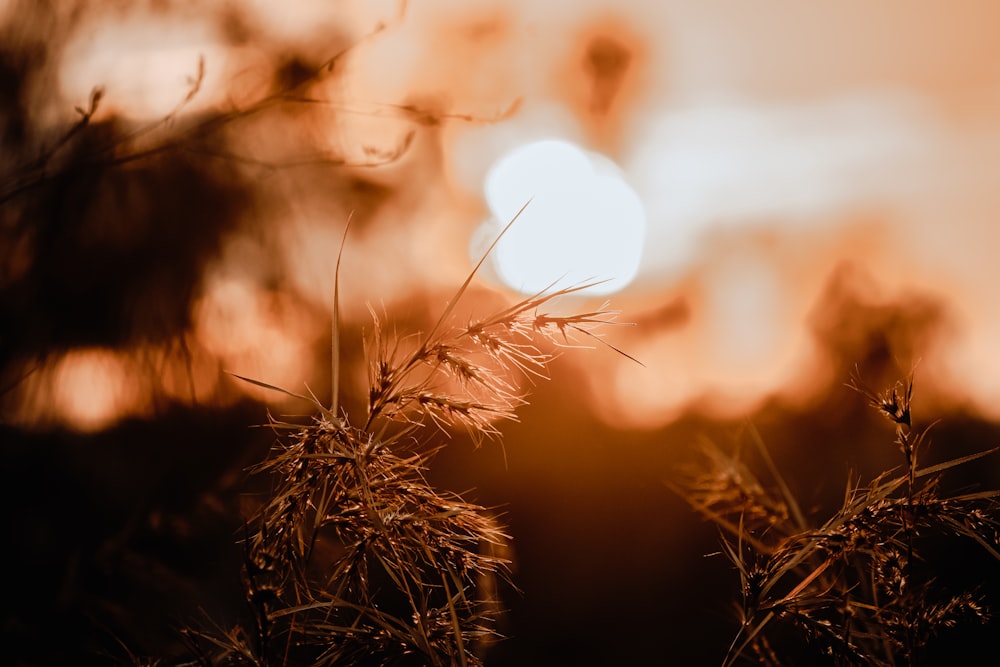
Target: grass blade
[(335, 327), (265, 385), (930, 470)]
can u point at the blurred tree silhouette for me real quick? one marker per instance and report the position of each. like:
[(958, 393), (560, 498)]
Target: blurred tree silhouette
[(106, 226)]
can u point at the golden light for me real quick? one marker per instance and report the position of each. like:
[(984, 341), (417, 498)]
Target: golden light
[(92, 388), (583, 222), (254, 333), (160, 70), (875, 157)]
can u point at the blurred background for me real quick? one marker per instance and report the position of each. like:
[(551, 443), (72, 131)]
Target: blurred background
[(775, 192)]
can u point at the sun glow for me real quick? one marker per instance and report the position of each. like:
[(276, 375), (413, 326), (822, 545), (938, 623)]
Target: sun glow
[(582, 222)]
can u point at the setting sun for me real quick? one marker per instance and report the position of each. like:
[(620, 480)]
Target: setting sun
[(582, 223)]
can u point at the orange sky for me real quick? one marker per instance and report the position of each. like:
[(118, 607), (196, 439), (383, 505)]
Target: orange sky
[(774, 145)]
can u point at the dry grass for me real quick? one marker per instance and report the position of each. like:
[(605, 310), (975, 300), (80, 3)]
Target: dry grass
[(853, 589), (354, 558)]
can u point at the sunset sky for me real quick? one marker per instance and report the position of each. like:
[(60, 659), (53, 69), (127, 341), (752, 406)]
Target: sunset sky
[(767, 189), (768, 152)]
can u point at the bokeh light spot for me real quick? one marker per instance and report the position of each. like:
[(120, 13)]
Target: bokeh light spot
[(584, 223), (93, 388)]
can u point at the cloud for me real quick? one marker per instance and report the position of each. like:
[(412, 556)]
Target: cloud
[(708, 167)]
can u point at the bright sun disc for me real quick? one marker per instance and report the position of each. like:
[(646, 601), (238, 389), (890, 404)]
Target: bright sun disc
[(584, 222)]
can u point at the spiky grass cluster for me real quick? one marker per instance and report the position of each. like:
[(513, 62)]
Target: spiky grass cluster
[(854, 589), (466, 376), (354, 558)]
